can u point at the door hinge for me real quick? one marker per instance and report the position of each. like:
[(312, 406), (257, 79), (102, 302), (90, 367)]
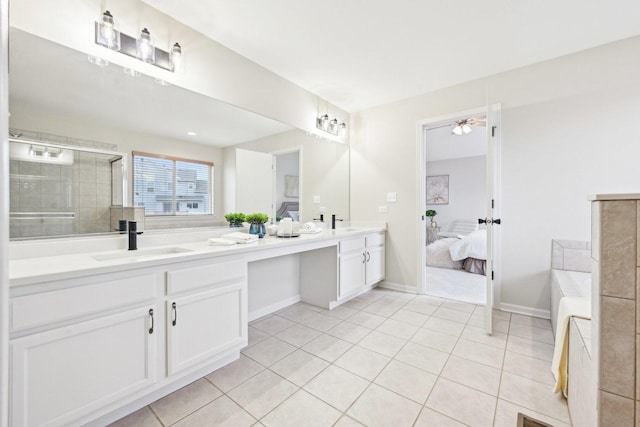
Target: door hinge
[(491, 274), (493, 130)]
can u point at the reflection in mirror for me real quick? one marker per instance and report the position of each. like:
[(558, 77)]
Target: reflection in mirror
[(55, 90)]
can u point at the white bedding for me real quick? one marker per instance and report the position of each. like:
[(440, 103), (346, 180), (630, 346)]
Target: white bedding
[(473, 245)]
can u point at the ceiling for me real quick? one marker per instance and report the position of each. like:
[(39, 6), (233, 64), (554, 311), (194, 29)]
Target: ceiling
[(362, 53), (441, 144), (74, 87)]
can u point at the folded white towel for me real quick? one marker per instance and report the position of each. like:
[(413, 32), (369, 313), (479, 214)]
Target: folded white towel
[(216, 241), (314, 231), (241, 237), (568, 307)]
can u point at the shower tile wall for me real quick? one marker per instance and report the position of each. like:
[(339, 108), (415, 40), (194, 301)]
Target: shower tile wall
[(83, 188), (615, 235)]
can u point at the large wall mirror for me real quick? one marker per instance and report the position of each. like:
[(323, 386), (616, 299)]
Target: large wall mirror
[(58, 96)]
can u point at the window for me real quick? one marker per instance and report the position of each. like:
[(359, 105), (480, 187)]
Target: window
[(171, 186)]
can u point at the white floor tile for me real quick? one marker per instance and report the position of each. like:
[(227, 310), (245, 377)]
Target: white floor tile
[(435, 340), (507, 415), (529, 320), (183, 402), (235, 373), (533, 395), (349, 332), (262, 393), (410, 317), (529, 367), (302, 409), (327, 347), (299, 367), (384, 344), (338, 387), (532, 333), (454, 315), (422, 357), (269, 351), (273, 324), (368, 320), (342, 312), (536, 349), (472, 374), (222, 412), (444, 326), (141, 418), (346, 421), (462, 403), (321, 322), (481, 353), (380, 407), (430, 418), (406, 380), (363, 362), (296, 313), (474, 333), (397, 329), (298, 335)]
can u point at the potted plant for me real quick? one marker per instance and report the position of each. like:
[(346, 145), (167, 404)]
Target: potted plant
[(257, 221), (235, 219), (430, 213)]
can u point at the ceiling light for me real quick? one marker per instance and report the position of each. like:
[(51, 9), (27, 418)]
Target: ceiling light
[(141, 47), (175, 57), (191, 133), (466, 128), (462, 127), (323, 122), (110, 37), (144, 47)]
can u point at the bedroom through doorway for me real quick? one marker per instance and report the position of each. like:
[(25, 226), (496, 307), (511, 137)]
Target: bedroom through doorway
[(455, 180)]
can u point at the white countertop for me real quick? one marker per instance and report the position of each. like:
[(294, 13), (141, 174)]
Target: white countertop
[(28, 271), (624, 196)]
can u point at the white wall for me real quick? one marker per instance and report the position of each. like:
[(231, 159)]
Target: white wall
[(568, 130), (467, 189)]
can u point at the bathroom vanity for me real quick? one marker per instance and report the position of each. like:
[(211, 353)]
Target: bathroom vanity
[(95, 336)]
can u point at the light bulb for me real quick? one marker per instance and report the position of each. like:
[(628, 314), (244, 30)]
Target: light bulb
[(110, 36), (144, 47), (466, 128), (342, 129), (457, 130), (175, 57), (324, 122), (333, 126)]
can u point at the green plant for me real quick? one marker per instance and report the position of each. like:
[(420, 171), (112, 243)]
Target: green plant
[(257, 218), (278, 218), (430, 213), (235, 217)]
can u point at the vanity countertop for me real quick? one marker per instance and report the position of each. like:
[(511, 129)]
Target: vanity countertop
[(29, 271)]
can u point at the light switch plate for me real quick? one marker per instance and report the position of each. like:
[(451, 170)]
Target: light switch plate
[(322, 209), (383, 209), (392, 197), (316, 200)]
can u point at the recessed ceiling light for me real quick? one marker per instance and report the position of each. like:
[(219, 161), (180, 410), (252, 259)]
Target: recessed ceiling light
[(191, 133)]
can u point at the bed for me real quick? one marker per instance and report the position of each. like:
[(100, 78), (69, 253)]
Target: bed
[(289, 210), (469, 252)]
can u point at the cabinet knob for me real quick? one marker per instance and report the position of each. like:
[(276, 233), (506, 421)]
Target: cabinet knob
[(151, 314)]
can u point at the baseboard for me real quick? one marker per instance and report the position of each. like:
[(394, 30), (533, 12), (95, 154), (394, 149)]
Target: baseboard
[(256, 314), (397, 287), (527, 311)]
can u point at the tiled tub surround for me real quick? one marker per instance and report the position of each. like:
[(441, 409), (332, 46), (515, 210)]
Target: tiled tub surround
[(615, 328), (572, 255), (422, 361)]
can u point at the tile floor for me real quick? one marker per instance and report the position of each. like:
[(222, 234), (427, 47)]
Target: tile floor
[(382, 359)]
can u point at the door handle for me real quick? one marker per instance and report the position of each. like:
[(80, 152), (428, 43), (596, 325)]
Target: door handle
[(151, 314), (489, 221), (175, 314), (368, 256), (364, 257)]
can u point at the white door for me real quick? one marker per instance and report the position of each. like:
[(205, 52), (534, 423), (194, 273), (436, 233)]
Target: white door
[(492, 219), (374, 265), (254, 182), (204, 325), (62, 375), (352, 272)]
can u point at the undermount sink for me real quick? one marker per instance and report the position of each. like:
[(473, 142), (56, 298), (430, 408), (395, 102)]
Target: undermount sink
[(142, 253)]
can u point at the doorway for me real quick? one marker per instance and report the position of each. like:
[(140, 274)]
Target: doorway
[(287, 185), (459, 166)]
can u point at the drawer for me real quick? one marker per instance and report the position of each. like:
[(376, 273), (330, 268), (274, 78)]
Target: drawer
[(205, 276), (375, 240), (41, 309), (348, 245)]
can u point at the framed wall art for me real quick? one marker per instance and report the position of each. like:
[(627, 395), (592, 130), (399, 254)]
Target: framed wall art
[(438, 190)]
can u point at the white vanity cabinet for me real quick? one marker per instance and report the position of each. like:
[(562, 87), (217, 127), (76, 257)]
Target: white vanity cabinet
[(206, 313), (361, 263), (96, 352)]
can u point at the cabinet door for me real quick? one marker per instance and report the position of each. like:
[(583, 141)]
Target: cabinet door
[(375, 265), (352, 271), (61, 375), (205, 325)]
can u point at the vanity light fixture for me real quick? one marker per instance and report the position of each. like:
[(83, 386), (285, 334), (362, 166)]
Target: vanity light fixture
[(331, 126), (142, 47)]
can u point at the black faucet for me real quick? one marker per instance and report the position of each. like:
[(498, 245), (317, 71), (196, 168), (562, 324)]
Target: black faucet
[(321, 219), (133, 235), (333, 221)]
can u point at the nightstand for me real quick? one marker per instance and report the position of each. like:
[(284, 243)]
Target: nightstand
[(432, 234)]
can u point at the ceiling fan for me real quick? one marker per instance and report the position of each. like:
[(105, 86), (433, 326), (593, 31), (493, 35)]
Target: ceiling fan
[(464, 126)]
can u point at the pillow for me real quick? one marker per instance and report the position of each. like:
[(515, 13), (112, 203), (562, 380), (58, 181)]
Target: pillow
[(293, 215)]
